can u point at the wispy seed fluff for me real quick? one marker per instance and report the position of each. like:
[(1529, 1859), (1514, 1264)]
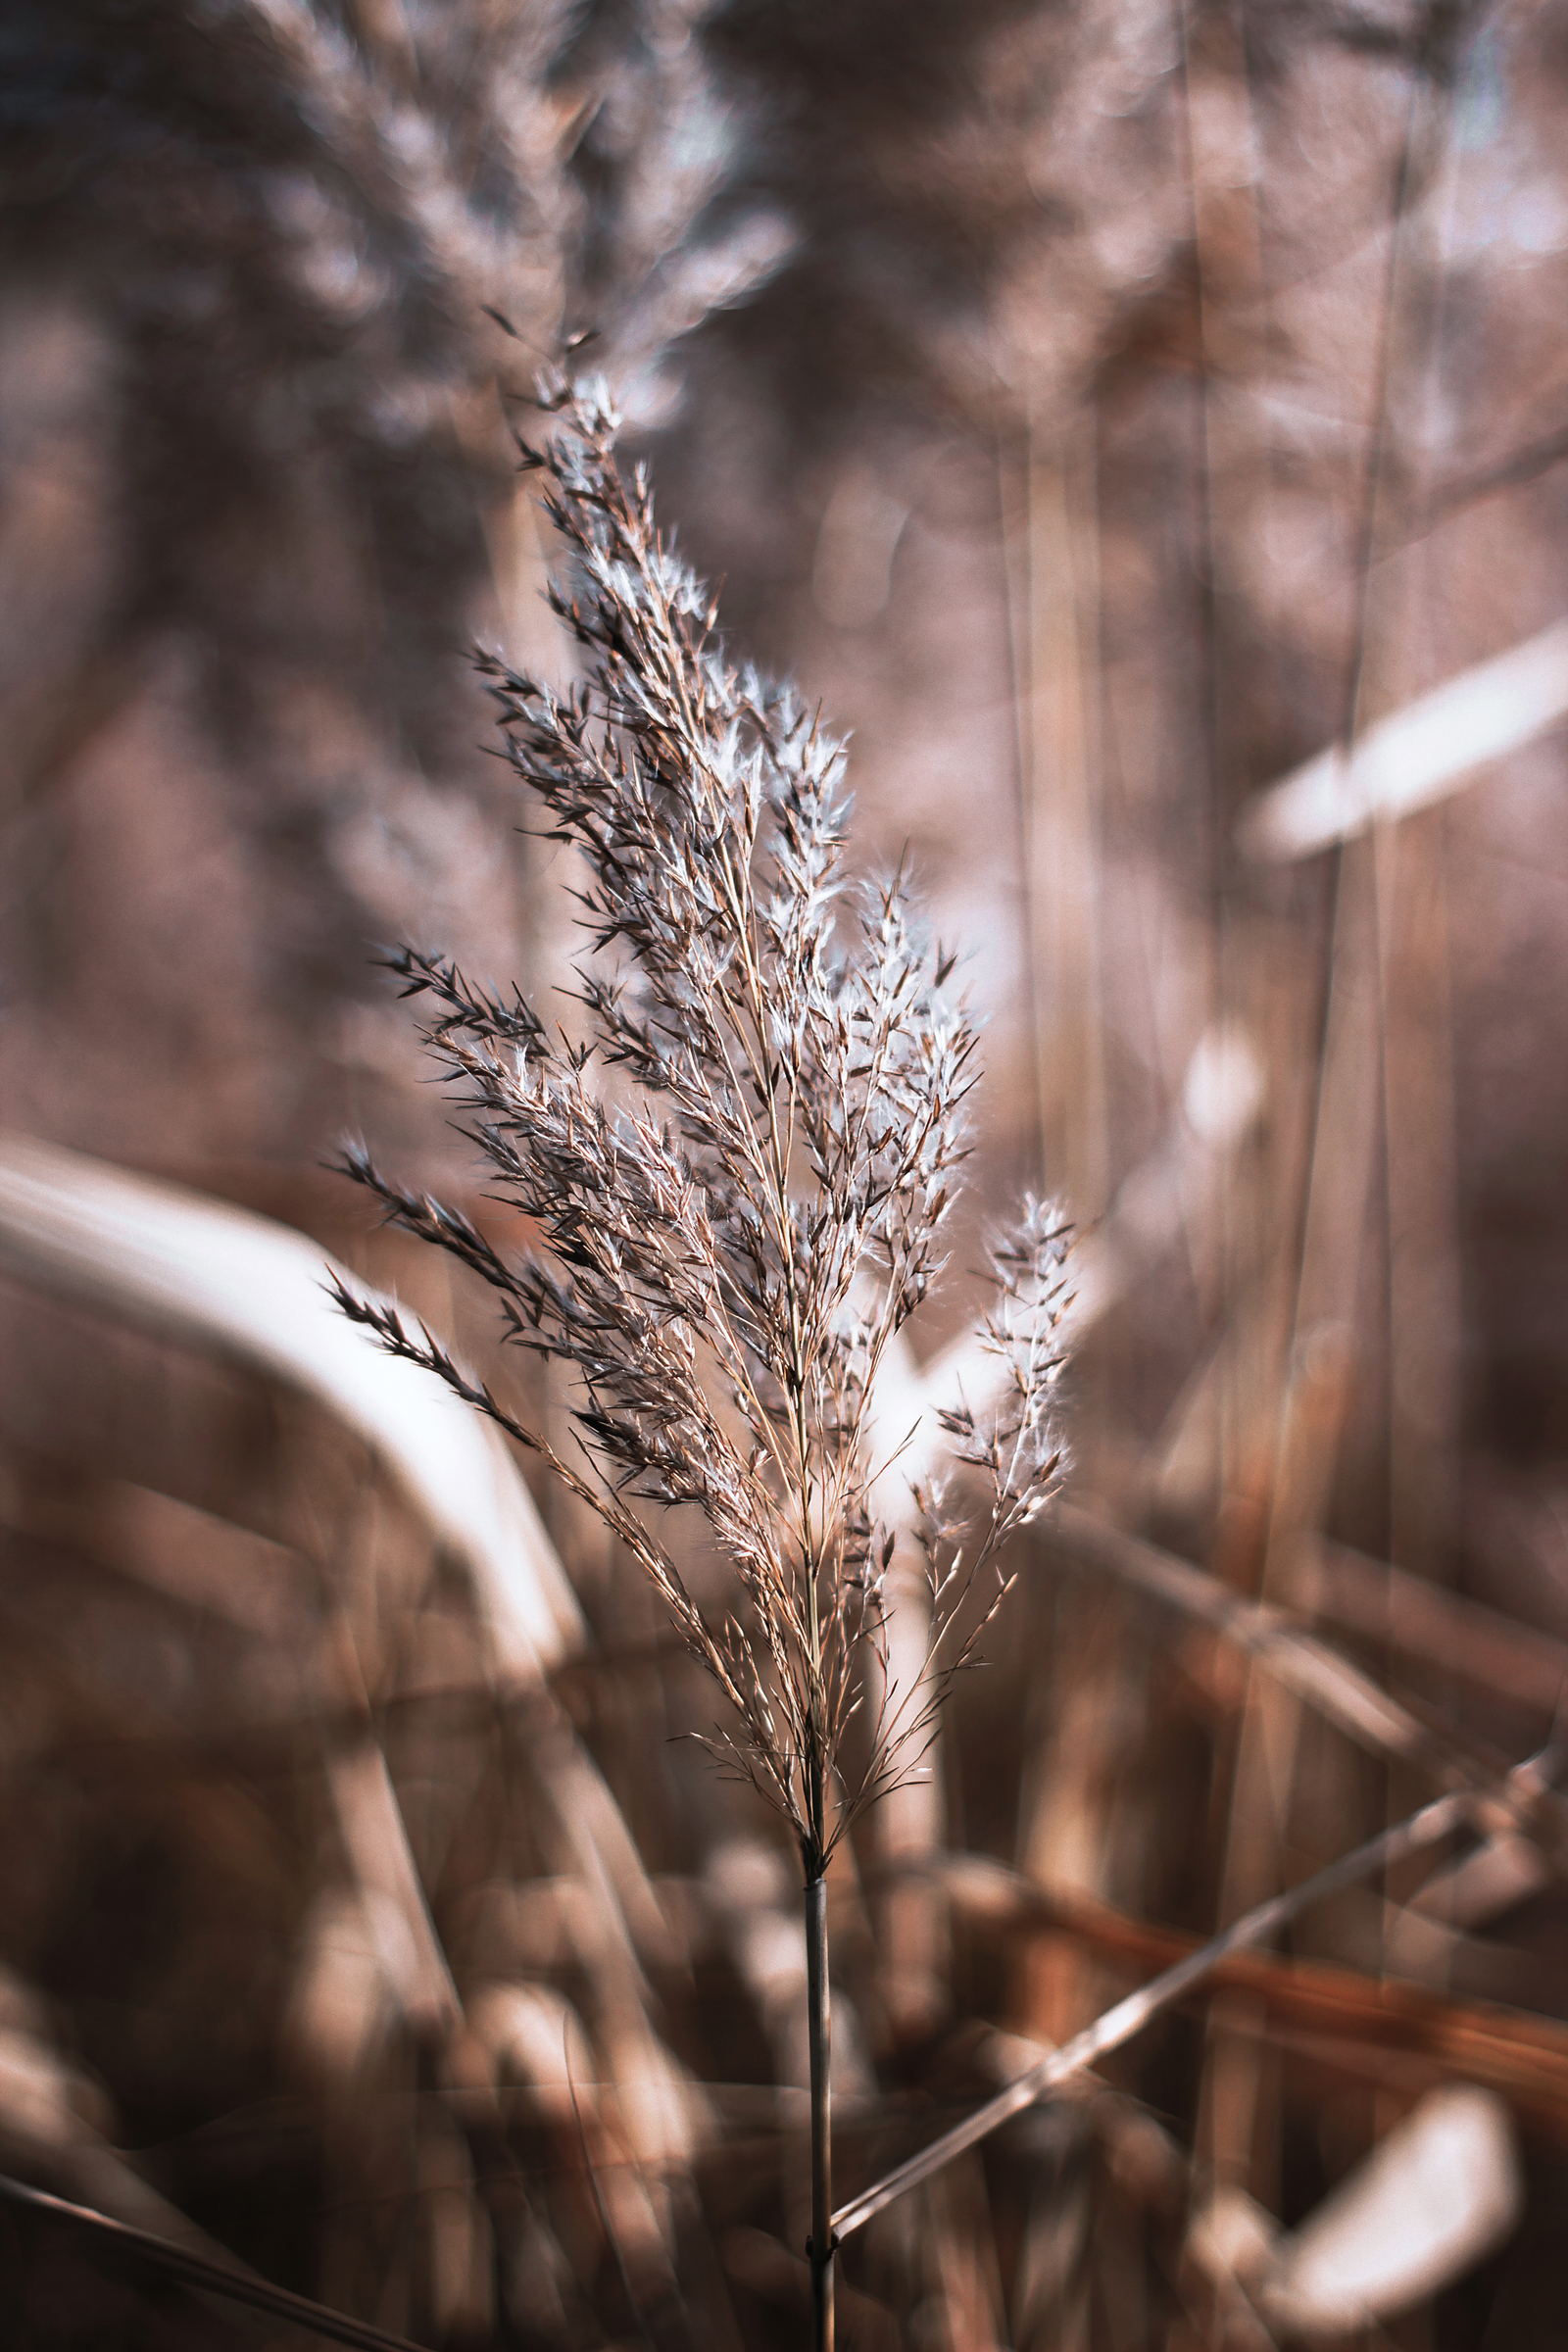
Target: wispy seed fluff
[(724, 1259)]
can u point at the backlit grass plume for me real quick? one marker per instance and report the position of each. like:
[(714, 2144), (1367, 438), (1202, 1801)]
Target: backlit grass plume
[(738, 1175)]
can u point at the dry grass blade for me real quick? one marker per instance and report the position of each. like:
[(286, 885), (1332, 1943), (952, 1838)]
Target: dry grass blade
[(1416, 756), (1476, 1647), (1346, 2021), (1306, 1666), (376, 1840)]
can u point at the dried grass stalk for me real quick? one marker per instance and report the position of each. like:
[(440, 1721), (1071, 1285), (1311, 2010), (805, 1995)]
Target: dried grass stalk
[(739, 1175)]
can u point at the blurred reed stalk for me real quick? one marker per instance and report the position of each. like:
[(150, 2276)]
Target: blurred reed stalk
[(739, 1174)]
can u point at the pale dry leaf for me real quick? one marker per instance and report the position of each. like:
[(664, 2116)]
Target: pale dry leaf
[(240, 1287), (1438, 2195)]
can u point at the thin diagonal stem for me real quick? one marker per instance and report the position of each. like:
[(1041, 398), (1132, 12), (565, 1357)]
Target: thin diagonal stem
[(195, 2271), (1108, 2031)]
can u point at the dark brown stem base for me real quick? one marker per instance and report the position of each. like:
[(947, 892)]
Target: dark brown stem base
[(819, 2008)]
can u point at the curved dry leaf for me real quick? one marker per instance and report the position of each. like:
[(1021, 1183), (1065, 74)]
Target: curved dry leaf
[(1439, 2193), (240, 1287)]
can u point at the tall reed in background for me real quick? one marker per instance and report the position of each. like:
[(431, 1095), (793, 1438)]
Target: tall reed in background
[(739, 1176)]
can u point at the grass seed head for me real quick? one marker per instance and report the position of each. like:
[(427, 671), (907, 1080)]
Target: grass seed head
[(740, 1179)]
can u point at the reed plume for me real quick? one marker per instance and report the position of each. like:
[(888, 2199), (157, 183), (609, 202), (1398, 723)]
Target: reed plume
[(739, 1175)]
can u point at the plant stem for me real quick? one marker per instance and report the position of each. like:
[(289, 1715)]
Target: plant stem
[(819, 2006)]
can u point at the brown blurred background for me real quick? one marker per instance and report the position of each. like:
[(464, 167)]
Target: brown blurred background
[(1105, 411)]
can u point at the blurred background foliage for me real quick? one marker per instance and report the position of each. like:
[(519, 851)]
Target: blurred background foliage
[(1105, 411)]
